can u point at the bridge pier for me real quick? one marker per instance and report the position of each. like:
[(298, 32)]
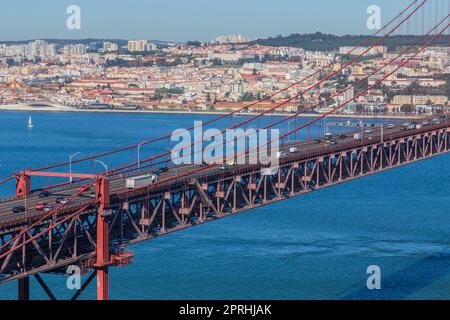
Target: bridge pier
[(24, 289), (103, 257)]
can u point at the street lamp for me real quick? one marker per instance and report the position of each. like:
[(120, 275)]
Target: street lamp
[(174, 157), (289, 130), (139, 154), (103, 164), (70, 165)]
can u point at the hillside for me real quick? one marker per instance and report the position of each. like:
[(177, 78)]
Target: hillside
[(327, 42)]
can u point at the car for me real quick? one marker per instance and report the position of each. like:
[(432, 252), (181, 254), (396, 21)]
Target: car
[(369, 138), (317, 141), (163, 170), (332, 142), (390, 126), (18, 209), (403, 128), (48, 208), (61, 200), (224, 167), (342, 137), (40, 206), (83, 189), (44, 194), (368, 131)]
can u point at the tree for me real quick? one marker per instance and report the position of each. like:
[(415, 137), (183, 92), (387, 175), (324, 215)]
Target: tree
[(194, 43), (407, 108)]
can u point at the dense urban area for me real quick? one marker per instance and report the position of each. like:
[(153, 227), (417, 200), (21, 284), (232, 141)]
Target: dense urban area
[(223, 75)]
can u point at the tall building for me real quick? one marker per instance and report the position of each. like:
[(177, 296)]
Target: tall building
[(232, 39), (151, 47), (137, 45), (74, 49), (110, 47)]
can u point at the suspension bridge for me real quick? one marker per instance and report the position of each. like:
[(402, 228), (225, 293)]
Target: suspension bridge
[(95, 218)]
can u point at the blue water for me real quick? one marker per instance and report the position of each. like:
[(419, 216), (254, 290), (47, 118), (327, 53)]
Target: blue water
[(317, 246)]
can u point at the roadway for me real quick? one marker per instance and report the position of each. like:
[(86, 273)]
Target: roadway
[(117, 185)]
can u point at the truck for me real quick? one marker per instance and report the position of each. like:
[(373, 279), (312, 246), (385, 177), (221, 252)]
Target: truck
[(412, 126), (293, 150), (357, 136), (141, 181)]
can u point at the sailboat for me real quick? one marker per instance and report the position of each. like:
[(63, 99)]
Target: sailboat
[(30, 122)]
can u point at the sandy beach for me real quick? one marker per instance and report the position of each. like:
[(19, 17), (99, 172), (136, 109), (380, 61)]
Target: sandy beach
[(50, 107)]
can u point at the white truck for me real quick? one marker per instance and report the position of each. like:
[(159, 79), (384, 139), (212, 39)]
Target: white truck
[(141, 181), (357, 136), (293, 150)]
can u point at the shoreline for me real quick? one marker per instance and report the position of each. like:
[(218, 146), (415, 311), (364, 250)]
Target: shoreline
[(59, 108)]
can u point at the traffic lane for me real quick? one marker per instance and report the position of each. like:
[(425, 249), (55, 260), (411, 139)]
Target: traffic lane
[(30, 202), (119, 184), (174, 173)]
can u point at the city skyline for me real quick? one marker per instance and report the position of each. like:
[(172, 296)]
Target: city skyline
[(179, 21)]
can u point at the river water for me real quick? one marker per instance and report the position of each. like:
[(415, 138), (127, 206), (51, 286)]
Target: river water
[(316, 246)]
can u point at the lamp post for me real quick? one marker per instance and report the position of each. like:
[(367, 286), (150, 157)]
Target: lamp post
[(70, 165), (289, 130), (139, 154), (103, 164), (173, 157)]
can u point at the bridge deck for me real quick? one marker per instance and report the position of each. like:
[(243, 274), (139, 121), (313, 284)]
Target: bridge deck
[(306, 149)]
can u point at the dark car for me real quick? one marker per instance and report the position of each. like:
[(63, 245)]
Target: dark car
[(18, 209), (317, 141), (61, 200), (44, 194), (163, 169), (342, 137)]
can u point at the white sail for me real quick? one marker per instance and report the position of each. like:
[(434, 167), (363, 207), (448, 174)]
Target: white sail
[(30, 122)]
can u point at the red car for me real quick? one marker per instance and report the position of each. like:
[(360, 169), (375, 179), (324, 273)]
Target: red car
[(83, 188), (40, 206)]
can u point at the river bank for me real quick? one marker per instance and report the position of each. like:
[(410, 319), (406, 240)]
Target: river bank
[(60, 108)]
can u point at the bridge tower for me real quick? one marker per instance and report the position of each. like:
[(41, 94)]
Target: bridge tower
[(103, 257), (23, 190), (103, 260)]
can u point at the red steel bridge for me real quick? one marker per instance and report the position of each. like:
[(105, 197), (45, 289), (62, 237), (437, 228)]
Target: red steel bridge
[(102, 217)]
